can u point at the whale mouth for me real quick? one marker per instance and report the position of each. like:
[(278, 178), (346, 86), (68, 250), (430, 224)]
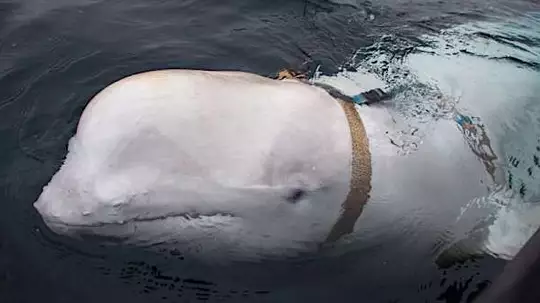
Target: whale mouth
[(187, 216)]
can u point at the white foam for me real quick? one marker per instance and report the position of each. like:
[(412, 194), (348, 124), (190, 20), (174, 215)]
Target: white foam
[(503, 94), (514, 224), (470, 73)]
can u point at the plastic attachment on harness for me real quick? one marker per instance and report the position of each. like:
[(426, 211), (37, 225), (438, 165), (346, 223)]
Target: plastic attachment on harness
[(371, 96), (463, 120)]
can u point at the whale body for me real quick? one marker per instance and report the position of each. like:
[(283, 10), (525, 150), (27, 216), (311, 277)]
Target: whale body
[(236, 164)]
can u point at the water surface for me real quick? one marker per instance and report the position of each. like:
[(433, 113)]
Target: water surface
[(484, 55)]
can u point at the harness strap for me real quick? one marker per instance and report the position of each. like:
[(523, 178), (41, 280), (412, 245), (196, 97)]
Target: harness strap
[(360, 185)]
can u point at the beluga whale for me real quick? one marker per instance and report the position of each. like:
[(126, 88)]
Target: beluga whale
[(238, 165)]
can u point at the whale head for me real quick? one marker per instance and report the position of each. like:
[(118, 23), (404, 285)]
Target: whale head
[(147, 208), (144, 168)]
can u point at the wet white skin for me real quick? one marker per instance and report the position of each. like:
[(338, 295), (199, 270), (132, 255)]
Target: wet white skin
[(234, 164), (220, 160)]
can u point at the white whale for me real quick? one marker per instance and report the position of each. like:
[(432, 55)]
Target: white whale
[(232, 163)]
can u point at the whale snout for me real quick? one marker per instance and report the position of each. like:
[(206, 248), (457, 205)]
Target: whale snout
[(59, 212), (54, 213)]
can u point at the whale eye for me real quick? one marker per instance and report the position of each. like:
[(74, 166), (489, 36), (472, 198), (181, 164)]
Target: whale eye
[(296, 195)]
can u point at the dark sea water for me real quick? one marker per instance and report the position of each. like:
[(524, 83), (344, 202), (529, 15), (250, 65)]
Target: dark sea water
[(55, 55)]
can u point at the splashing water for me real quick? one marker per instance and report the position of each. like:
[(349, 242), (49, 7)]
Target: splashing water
[(489, 70)]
